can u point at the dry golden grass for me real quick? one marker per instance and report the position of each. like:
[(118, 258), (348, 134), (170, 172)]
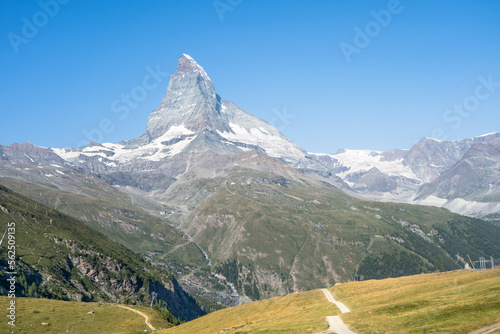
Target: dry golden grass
[(457, 302), (73, 317), (295, 313)]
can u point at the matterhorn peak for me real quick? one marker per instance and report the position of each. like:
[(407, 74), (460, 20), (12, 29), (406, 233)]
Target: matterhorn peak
[(190, 101), (187, 64), (192, 118)]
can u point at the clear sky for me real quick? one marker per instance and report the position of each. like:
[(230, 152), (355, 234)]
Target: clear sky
[(330, 74)]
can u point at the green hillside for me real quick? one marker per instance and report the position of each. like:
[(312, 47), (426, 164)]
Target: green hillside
[(60, 257), (270, 237), (99, 205), (132, 220)]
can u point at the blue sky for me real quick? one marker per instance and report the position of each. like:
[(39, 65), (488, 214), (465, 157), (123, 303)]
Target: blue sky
[(330, 74)]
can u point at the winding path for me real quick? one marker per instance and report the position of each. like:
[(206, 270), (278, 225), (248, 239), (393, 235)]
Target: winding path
[(342, 307), (336, 324), (146, 318), (488, 329)]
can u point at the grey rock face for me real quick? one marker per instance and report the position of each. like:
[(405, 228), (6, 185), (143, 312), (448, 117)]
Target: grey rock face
[(190, 100), (372, 180), (393, 155), (476, 176), (27, 152), (429, 158), (330, 162)]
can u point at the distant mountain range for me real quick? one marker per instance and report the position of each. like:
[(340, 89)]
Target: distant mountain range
[(237, 211), (462, 176)]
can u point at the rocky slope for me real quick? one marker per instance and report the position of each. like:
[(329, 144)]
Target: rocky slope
[(273, 233), (59, 257)]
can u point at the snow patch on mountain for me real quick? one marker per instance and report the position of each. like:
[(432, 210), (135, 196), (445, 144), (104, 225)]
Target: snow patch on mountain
[(487, 134), (472, 208), (158, 149), (461, 206), (273, 145), (432, 201), (363, 160), (67, 153)]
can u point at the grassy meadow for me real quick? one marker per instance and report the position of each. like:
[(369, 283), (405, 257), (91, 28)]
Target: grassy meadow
[(455, 302), (74, 317), (296, 313)]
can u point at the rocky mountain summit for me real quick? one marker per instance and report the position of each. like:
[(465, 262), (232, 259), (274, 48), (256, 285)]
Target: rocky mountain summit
[(192, 118), (190, 101)]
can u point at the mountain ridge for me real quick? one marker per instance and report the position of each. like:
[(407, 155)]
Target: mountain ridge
[(408, 176)]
